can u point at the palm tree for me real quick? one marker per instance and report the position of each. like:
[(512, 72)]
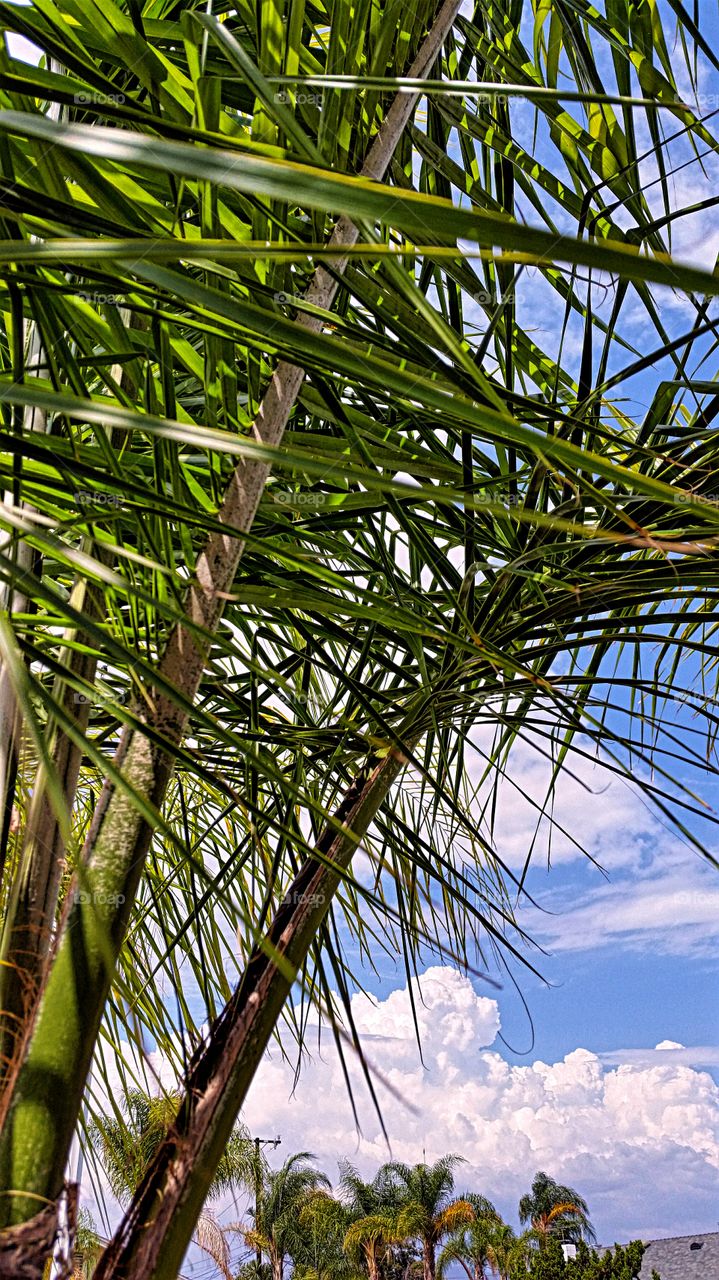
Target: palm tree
[(554, 1210), (510, 1252), (371, 1210), (88, 1246), (278, 1226), (128, 1142), (472, 1245), (300, 501), (428, 1211), (368, 1241), (319, 1253)]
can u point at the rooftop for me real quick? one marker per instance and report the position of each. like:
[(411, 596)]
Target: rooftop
[(682, 1258)]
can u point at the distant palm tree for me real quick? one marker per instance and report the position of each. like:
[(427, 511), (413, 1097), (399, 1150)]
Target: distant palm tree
[(471, 1244), (428, 1211), (88, 1246), (554, 1210), (320, 1253), (510, 1252), (128, 1144), (471, 1247), (277, 1229), (369, 1240), (483, 1242), (372, 1209)]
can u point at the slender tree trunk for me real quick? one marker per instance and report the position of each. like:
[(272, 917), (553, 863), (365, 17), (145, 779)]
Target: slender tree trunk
[(429, 1269), (42, 1112), (34, 420), (32, 910), (372, 1263), (14, 601), (151, 1242)]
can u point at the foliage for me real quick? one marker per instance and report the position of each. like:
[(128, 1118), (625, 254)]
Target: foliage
[(427, 1208), (320, 1253), (308, 527), (86, 1236), (554, 1210), (484, 1242), (254, 1271), (371, 1210), (88, 1245), (404, 1263), (128, 1143), (279, 1228), (621, 1263)]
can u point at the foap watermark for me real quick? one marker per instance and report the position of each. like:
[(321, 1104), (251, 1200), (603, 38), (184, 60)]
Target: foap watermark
[(98, 699), (685, 499), (301, 98), (99, 298), (692, 898), (286, 299), (496, 99), (496, 498), (700, 103), (695, 701), (485, 298), (90, 498), (304, 499), (697, 499), (297, 898), (309, 701), (98, 898), (99, 99)]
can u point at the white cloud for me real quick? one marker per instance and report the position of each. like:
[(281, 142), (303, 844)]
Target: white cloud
[(670, 904), (592, 810), (22, 48), (640, 1140), (644, 886), (700, 1055)]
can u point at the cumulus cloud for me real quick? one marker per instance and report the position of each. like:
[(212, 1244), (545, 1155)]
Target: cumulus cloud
[(639, 1139)]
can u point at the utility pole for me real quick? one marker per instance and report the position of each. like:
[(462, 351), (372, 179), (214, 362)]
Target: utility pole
[(264, 1142)]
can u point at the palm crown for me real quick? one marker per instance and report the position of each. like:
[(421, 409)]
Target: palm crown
[(285, 1193), (553, 1209)]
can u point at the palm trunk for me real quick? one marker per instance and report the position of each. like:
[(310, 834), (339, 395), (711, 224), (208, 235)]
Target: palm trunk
[(34, 420), (151, 1242), (14, 978), (429, 1270), (42, 1111), (14, 601), (372, 1262), (32, 911), (33, 904)]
